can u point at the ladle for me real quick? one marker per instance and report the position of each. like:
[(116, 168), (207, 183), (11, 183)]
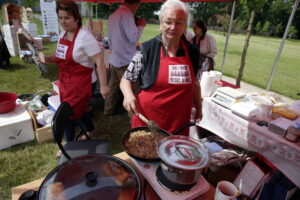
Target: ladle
[(152, 125)]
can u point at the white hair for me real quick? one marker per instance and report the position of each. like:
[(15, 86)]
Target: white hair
[(174, 4)]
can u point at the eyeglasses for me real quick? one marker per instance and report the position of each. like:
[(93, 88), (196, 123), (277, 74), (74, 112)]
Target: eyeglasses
[(170, 23)]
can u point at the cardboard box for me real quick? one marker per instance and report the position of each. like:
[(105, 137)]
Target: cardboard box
[(42, 134), (15, 128)]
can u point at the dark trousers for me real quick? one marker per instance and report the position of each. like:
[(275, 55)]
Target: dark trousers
[(70, 128), (115, 95)]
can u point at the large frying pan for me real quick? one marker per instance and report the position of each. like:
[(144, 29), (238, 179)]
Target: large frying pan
[(145, 128)]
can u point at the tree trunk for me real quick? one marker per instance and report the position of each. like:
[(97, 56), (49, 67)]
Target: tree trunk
[(243, 60)]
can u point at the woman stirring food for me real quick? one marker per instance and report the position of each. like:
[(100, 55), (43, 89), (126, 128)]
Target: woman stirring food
[(166, 69), (76, 53)]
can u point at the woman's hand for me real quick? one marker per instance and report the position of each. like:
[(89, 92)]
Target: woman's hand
[(50, 59), (129, 98), (104, 90), (198, 114), (129, 103)]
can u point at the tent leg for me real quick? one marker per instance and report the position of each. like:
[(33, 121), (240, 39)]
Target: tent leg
[(282, 43), (227, 37)]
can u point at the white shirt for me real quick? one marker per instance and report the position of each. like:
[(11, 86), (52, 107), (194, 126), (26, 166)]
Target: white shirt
[(123, 34), (85, 46), (208, 46)]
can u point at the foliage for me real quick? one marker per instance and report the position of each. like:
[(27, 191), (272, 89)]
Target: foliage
[(207, 11), (292, 32), (266, 27), (147, 10), (270, 12), (30, 3)]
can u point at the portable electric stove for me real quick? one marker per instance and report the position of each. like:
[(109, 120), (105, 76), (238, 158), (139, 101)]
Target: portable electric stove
[(166, 189)]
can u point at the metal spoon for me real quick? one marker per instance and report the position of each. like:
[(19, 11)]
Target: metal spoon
[(152, 125)]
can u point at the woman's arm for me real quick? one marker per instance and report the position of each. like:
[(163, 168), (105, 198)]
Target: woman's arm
[(50, 59), (98, 59), (212, 46), (198, 101), (129, 98)]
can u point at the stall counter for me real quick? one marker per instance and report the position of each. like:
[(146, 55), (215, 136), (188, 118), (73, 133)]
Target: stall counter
[(283, 154), (34, 185)]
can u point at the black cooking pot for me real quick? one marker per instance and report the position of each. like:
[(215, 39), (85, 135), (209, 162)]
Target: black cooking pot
[(90, 177), (145, 128)]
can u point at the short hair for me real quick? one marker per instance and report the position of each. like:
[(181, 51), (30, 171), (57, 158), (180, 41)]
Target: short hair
[(171, 4), (131, 2), (70, 7), (201, 24)]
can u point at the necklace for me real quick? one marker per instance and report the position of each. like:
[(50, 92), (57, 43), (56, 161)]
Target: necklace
[(69, 36)]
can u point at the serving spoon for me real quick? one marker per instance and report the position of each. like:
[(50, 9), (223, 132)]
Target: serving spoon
[(152, 125)]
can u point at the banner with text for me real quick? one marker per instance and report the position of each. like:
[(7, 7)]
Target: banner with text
[(49, 18)]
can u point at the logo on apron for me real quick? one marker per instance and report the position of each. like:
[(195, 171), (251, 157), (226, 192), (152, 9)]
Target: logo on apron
[(179, 74), (61, 51)]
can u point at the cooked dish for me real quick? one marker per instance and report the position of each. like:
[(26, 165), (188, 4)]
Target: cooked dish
[(143, 144)]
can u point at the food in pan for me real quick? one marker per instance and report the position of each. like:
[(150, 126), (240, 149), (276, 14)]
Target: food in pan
[(142, 144)]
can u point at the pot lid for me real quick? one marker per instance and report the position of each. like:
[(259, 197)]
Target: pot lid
[(91, 177), (183, 152)]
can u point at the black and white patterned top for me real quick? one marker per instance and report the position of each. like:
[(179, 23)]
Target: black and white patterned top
[(134, 69)]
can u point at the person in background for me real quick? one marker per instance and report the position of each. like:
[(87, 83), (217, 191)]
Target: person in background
[(206, 43), (123, 34), (77, 51), (166, 68), (4, 53), (14, 17)]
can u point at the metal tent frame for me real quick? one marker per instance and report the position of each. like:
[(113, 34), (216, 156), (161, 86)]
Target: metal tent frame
[(229, 28)]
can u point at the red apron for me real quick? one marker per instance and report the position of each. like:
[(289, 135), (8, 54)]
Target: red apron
[(169, 100), (75, 79)]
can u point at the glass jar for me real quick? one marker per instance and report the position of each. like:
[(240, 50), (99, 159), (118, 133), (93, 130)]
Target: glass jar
[(293, 133)]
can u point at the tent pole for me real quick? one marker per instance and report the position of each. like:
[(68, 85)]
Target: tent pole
[(227, 37), (96, 11), (282, 43)]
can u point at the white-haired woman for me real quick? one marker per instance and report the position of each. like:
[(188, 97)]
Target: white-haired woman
[(165, 68)]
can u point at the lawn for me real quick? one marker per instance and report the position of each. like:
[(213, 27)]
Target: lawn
[(26, 162)]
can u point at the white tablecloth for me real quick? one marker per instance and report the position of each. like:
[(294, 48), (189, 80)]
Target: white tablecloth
[(236, 130)]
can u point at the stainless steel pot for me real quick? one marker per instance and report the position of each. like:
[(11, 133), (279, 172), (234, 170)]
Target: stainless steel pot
[(183, 159)]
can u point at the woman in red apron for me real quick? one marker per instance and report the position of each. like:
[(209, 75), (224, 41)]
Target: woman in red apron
[(76, 66), (167, 78)]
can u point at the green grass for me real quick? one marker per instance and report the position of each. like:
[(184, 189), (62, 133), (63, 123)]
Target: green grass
[(26, 162), (260, 59)]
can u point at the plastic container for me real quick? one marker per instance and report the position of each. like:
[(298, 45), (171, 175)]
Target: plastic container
[(7, 102)]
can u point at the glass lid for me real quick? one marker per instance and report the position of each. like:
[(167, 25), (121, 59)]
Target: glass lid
[(91, 177), (183, 152)]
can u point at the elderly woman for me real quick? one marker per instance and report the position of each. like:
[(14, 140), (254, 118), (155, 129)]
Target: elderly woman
[(77, 51), (166, 69)]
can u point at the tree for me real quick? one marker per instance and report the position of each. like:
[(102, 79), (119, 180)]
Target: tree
[(254, 6), (147, 10), (207, 10), (258, 28), (278, 29), (266, 28), (292, 32)]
